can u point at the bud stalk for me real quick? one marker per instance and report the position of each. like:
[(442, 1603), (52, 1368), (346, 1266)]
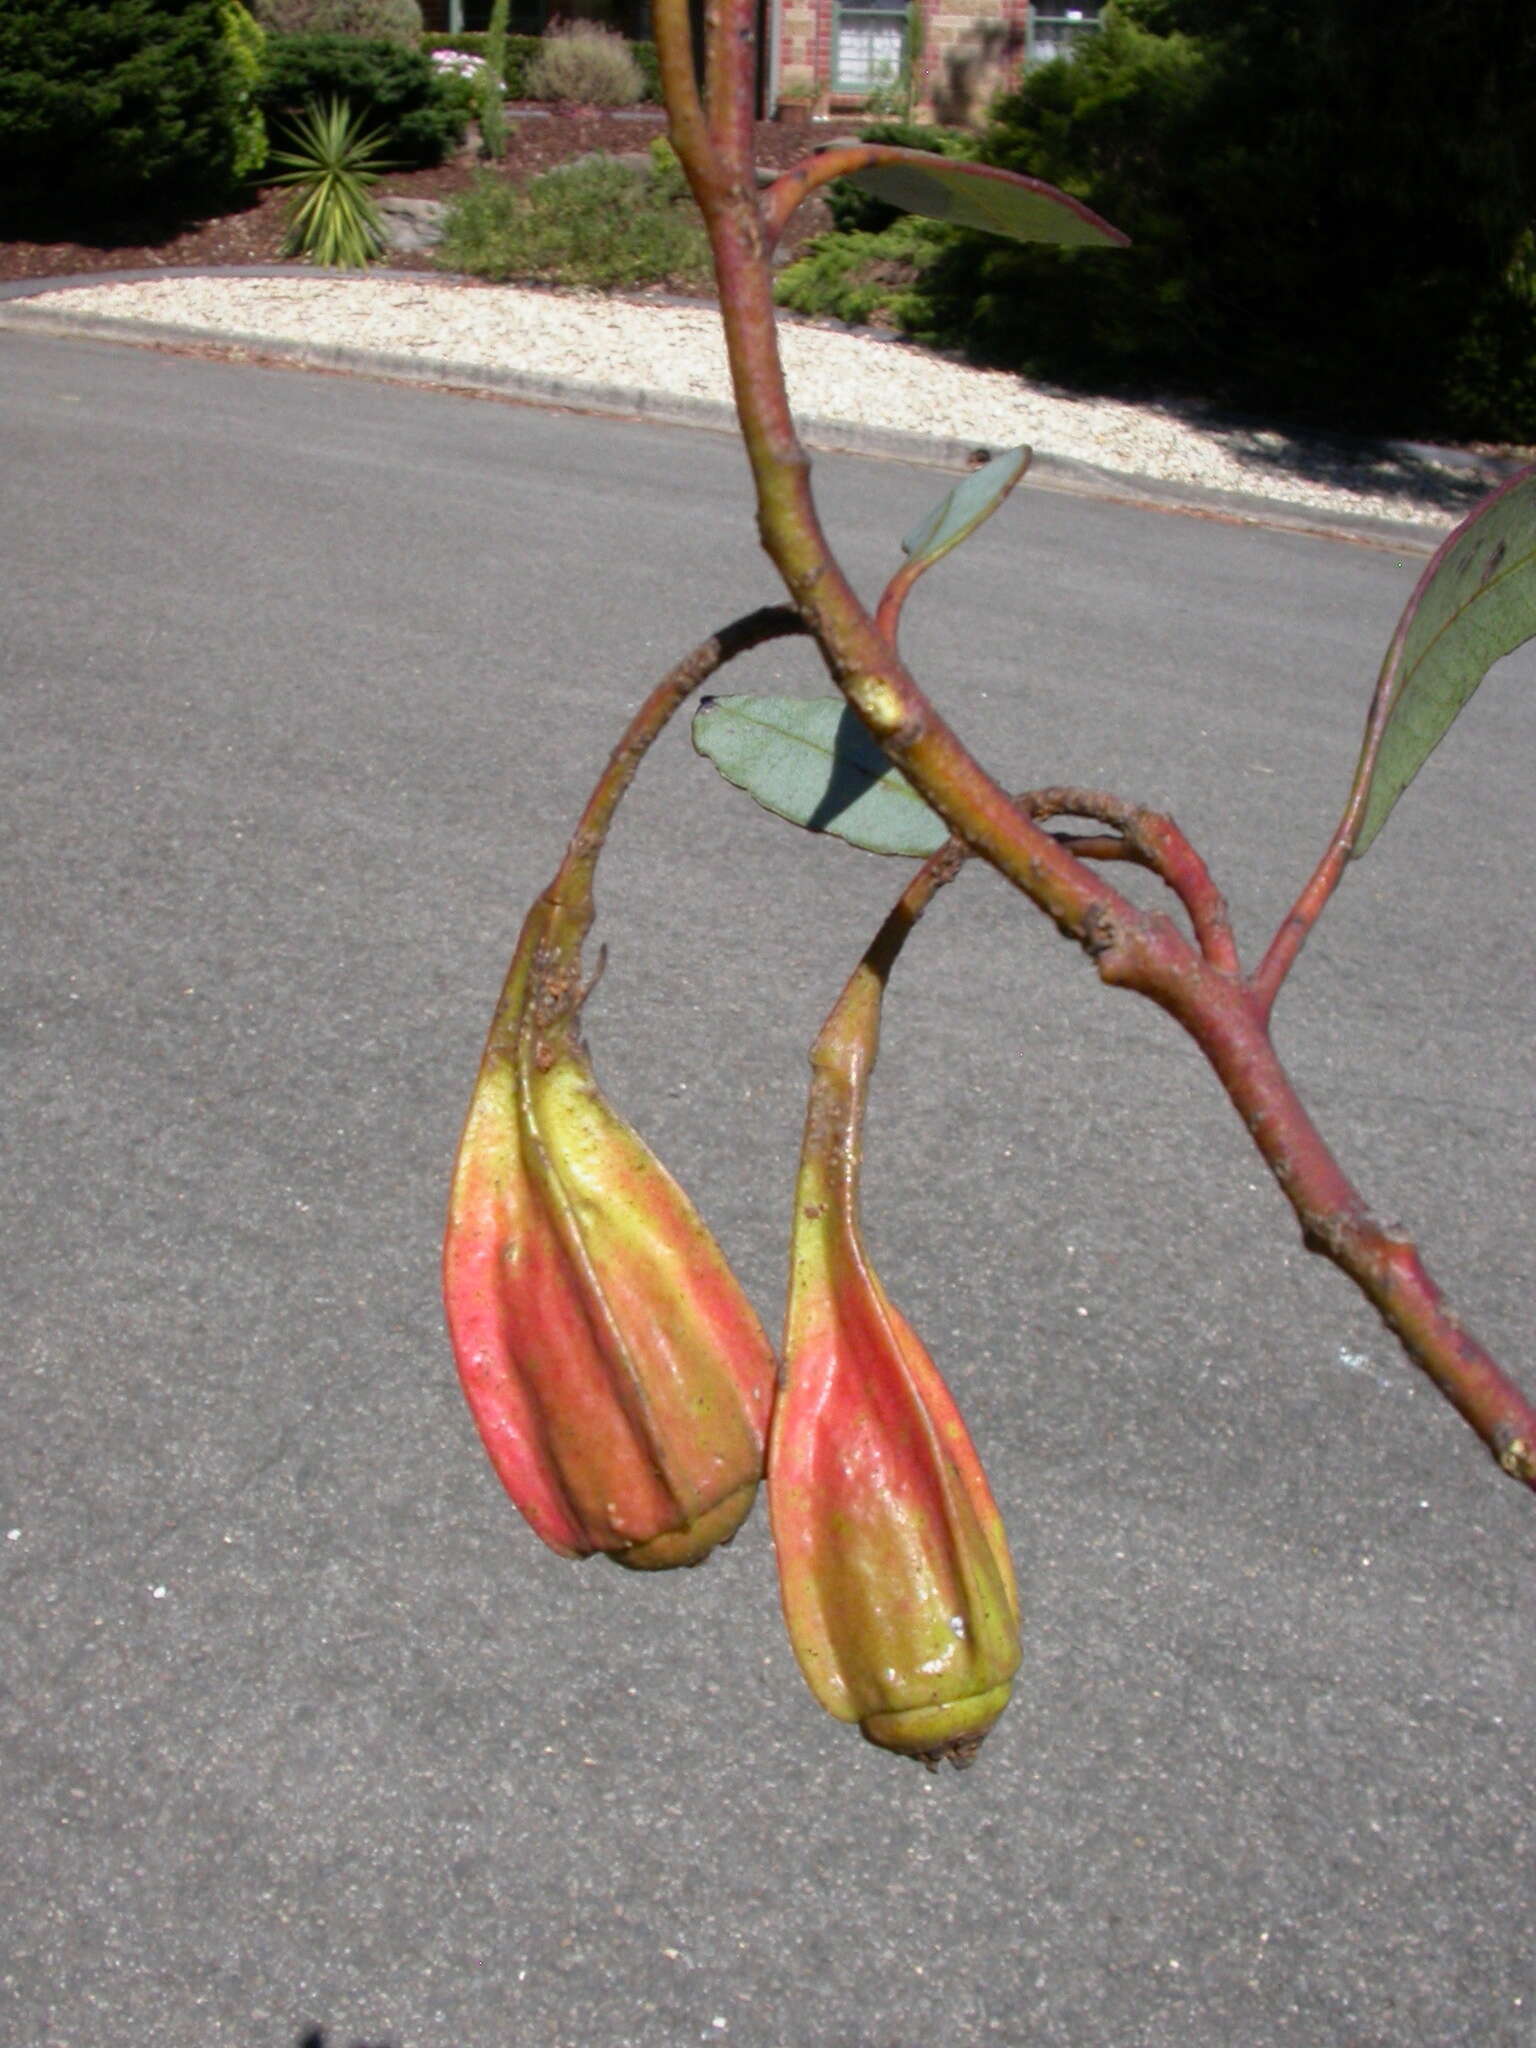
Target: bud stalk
[(894, 1571)]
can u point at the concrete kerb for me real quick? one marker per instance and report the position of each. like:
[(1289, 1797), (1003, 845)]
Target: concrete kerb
[(827, 436)]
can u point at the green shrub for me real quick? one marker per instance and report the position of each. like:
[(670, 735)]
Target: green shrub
[(1321, 209), (649, 66), (581, 63), (1124, 124), (388, 87), (668, 178), (867, 279), (115, 110), (390, 21), (470, 41), (1491, 383), (245, 43), (597, 224)]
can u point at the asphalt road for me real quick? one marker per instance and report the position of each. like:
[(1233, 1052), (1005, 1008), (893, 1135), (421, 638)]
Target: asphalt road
[(305, 1738)]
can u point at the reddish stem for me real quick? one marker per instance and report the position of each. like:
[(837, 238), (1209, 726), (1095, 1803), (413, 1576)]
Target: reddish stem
[(1228, 1022), (1296, 926), (1155, 841), (569, 895), (1131, 949), (1230, 1025), (894, 596)]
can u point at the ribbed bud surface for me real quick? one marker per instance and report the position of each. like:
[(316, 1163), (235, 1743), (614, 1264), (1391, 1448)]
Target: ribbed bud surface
[(619, 1378), (894, 1570)]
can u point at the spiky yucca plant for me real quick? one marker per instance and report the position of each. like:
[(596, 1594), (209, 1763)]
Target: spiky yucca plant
[(331, 219)]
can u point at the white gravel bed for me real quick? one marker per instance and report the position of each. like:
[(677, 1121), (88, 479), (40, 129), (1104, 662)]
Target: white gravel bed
[(676, 351)]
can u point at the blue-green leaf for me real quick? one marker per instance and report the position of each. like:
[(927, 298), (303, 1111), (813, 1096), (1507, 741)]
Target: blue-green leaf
[(1475, 603), (968, 195), (967, 505), (808, 759)]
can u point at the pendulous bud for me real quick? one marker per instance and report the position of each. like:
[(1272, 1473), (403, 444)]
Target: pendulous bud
[(619, 1378), (893, 1564)]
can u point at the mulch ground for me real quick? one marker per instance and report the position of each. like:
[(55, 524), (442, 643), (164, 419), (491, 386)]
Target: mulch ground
[(537, 140)]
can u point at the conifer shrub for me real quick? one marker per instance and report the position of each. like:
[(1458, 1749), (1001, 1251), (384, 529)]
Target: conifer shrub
[(1491, 382), (1324, 216), (422, 113), (868, 278), (246, 43), (115, 112)]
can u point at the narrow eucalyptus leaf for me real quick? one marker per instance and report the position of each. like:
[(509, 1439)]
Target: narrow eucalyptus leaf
[(967, 505), (1475, 603), (968, 195), (808, 759)]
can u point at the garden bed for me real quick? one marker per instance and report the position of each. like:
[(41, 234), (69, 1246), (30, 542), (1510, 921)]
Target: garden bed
[(538, 139)]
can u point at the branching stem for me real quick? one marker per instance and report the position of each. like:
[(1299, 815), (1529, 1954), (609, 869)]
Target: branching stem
[(1154, 841), (1198, 983)]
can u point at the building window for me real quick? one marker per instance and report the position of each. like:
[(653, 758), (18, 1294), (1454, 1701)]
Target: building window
[(1055, 31), (867, 47)]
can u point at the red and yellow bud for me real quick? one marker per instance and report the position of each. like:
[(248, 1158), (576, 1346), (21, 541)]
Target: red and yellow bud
[(893, 1563), (618, 1376)]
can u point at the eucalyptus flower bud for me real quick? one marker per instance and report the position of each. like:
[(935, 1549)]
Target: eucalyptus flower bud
[(619, 1378), (893, 1565)]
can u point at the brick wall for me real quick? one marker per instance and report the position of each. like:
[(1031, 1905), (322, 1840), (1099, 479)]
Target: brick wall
[(972, 50)]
